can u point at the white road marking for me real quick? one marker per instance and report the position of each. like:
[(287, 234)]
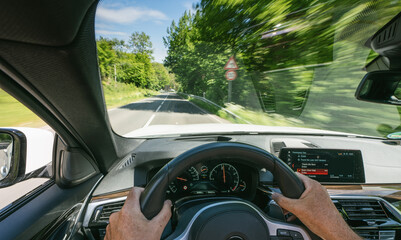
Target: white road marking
[(149, 121), (162, 103), (154, 115), (210, 115)]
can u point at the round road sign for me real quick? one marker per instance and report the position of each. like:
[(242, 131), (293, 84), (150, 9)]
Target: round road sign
[(231, 75)]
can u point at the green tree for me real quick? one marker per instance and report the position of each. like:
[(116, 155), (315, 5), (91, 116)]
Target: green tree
[(258, 34), (139, 42), (161, 75), (132, 62), (107, 57), (135, 68)]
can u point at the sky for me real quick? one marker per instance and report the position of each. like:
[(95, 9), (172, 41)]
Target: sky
[(120, 18)]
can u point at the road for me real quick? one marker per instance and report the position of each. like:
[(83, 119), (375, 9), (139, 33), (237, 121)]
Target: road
[(167, 108)]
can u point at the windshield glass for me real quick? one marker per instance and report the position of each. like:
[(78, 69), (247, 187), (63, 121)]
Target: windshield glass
[(205, 65)]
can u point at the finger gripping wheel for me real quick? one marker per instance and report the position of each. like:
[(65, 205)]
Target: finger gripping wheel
[(153, 197)]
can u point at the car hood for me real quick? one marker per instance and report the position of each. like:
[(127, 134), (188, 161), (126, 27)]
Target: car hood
[(226, 129)]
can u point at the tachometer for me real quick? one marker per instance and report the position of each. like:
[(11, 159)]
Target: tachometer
[(194, 173), (225, 176), (185, 181)]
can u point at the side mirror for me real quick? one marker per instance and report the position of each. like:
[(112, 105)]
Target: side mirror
[(12, 156), (380, 87)]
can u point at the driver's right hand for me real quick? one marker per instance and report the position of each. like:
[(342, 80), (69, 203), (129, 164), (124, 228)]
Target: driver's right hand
[(316, 210)]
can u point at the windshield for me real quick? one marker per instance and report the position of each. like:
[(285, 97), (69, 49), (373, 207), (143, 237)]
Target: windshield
[(205, 64)]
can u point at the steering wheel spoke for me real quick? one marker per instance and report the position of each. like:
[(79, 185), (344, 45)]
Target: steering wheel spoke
[(233, 219)]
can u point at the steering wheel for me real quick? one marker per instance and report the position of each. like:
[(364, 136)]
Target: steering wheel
[(224, 219)]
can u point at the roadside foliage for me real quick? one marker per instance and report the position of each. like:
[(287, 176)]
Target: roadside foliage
[(299, 60), (131, 63)]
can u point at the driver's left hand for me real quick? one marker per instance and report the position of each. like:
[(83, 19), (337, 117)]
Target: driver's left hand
[(130, 223)]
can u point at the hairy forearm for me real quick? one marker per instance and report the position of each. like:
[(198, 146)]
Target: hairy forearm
[(337, 229), (316, 210), (341, 233)]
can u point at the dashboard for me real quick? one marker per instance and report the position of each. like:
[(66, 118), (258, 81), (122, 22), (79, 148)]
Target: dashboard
[(347, 167), (223, 177), (229, 177)]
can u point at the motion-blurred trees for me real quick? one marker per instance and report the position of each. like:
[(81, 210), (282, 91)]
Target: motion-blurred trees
[(277, 43), (195, 63), (297, 58)]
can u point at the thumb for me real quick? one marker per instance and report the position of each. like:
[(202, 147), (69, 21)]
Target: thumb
[(284, 202), (164, 215)]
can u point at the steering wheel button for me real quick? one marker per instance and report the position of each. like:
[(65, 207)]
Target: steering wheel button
[(283, 232), (102, 233), (296, 235)]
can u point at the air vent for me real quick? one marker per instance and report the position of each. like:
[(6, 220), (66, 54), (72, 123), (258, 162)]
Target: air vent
[(127, 161), (368, 234), (205, 139), (361, 209), (392, 142), (102, 213), (376, 234)]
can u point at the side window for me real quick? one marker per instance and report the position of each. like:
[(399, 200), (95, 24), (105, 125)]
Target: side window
[(39, 145)]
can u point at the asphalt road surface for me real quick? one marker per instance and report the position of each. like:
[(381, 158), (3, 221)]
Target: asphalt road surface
[(167, 108)]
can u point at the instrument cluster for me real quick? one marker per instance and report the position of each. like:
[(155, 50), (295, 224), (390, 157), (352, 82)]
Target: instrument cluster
[(214, 178)]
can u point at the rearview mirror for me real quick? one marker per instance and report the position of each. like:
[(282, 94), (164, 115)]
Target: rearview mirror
[(380, 87), (12, 156)]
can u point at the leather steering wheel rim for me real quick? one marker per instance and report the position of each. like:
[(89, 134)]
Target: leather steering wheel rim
[(153, 196)]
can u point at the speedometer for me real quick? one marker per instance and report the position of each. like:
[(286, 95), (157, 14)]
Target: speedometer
[(225, 176)]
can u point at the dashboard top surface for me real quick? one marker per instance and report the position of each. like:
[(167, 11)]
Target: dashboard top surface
[(380, 158), (226, 178)]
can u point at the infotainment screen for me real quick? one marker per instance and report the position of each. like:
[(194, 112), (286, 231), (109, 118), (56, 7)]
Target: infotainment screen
[(326, 165)]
